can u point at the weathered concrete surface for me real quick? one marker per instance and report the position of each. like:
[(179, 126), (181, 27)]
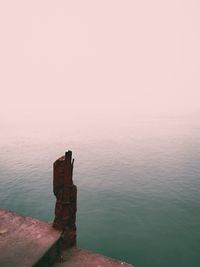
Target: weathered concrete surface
[(82, 258), (25, 241), (28, 242)]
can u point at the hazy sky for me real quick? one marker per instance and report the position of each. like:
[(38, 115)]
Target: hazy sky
[(110, 57)]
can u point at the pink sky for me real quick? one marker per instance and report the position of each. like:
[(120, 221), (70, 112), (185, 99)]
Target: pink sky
[(83, 58)]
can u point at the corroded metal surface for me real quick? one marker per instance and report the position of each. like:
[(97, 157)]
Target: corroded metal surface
[(66, 200), (24, 241), (82, 258)]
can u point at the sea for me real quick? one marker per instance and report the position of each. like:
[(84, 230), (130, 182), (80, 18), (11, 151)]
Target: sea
[(138, 182)]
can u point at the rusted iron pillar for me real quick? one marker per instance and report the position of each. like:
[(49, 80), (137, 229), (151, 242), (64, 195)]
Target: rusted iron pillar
[(66, 199)]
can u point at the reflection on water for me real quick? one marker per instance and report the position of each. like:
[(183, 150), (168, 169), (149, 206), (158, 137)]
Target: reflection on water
[(138, 184)]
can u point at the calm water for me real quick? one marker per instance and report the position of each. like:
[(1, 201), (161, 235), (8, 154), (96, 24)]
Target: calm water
[(138, 184)]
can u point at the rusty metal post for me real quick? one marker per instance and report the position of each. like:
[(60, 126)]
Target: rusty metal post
[(66, 199)]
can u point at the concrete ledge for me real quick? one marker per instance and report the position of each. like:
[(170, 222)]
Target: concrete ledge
[(82, 258), (28, 242), (25, 241)]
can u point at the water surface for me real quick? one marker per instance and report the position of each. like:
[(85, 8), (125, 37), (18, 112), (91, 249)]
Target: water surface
[(138, 184)]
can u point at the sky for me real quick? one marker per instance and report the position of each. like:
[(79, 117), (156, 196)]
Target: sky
[(109, 58)]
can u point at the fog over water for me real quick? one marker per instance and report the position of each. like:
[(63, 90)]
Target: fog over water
[(117, 82), (98, 57)]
